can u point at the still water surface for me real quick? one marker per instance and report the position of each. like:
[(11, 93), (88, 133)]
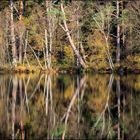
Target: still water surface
[(69, 106)]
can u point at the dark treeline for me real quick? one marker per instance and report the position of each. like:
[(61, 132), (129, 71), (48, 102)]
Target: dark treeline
[(93, 34)]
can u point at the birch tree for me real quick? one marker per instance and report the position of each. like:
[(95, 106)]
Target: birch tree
[(49, 33), (71, 41), (118, 50), (13, 41), (103, 22), (20, 36)]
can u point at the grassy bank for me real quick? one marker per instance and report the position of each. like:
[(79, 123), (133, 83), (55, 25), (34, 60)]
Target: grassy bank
[(68, 69)]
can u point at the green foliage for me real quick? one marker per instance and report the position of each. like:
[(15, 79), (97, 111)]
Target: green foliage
[(58, 133), (103, 18), (55, 11)]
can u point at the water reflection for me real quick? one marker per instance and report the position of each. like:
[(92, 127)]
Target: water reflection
[(69, 106)]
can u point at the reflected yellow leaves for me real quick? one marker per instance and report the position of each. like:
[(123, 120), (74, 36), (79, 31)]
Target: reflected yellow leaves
[(97, 99), (65, 106), (69, 92)]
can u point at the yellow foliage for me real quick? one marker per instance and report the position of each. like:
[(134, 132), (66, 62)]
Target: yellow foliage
[(137, 83), (99, 47), (133, 61), (69, 53), (22, 68), (99, 41)]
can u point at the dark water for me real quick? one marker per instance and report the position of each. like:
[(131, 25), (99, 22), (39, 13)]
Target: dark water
[(69, 106)]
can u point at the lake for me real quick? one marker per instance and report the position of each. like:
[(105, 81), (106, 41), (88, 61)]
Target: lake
[(69, 106)]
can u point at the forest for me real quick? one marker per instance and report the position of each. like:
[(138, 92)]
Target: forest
[(69, 35), (69, 69)]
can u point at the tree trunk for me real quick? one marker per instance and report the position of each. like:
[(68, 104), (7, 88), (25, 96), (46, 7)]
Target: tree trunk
[(78, 38), (79, 57), (20, 36), (46, 49), (13, 42), (123, 29), (50, 42), (118, 51), (20, 9), (48, 35)]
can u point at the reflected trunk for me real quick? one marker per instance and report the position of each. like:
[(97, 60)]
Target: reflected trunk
[(118, 91), (14, 95), (36, 106)]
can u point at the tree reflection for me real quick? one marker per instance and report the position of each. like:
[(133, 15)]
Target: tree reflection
[(14, 95), (99, 106), (66, 115)]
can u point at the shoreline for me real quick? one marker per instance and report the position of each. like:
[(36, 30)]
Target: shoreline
[(68, 70)]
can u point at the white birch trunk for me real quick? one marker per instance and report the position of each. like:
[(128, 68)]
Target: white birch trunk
[(118, 51), (48, 35), (13, 42), (20, 36), (79, 57)]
